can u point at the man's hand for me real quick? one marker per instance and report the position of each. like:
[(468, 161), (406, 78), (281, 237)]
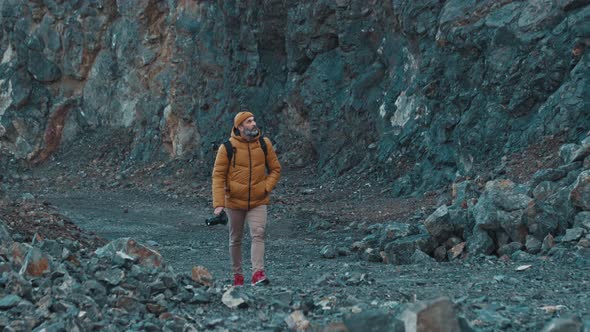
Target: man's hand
[(218, 210)]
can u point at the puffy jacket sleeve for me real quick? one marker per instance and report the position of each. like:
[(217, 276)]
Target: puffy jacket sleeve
[(273, 165), (220, 177)]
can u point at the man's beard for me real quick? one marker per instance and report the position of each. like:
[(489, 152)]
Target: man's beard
[(251, 132)]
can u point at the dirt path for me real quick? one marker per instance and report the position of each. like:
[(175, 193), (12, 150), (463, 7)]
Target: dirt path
[(178, 228)]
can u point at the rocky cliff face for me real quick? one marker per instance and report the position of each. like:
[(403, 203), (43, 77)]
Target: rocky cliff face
[(420, 91)]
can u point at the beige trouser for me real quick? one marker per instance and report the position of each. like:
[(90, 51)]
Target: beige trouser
[(256, 219)]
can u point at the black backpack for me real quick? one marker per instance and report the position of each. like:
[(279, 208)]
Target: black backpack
[(230, 150)]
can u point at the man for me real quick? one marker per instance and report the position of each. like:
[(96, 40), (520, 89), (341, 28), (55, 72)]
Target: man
[(242, 187)]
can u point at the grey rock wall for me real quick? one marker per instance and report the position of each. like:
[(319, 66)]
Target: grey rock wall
[(420, 91)]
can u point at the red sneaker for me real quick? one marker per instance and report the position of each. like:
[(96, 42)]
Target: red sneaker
[(238, 280), (259, 278)]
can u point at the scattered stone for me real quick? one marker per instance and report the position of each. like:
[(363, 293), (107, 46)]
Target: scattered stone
[(452, 241), (328, 251), (233, 298), (547, 174), (27, 197), (572, 234), (43, 69), (548, 243), (420, 257), (541, 219), (502, 238), (373, 320), (580, 194), (574, 152), (36, 263), (200, 296), (563, 325), (152, 243), (438, 224), (584, 243), (533, 245), (323, 225), (308, 191), (510, 248), (296, 321), (395, 230), (10, 301), (342, 251), (5, 238), (501, 208), (211, 323), (324, 279), (437, 315), (111, 276), (568, 152), (523, 267), (145, 256), (544, 189), (480, 242), (550, 309), (15, 283), (464, 194), (373, 255), (582, 219), (440, 253), (569, 168), (522, 256), (202, 276), (358, 246), (456, 251), (122, 259), (492, 317), (400, 251)]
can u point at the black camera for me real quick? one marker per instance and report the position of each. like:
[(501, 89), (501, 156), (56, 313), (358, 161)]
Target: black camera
[(221, 219)]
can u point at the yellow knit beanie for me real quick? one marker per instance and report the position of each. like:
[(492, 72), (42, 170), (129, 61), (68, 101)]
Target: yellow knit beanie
[(241, 117)]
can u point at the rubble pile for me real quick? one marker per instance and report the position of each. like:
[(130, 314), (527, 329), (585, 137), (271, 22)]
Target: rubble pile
[(549, 215), (59, 285)]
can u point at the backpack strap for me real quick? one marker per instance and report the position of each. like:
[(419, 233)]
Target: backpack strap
[(229, 149), (263, 145), (264, 149)]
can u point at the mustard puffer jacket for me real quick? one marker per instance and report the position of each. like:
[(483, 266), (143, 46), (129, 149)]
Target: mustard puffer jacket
[(242, 183)]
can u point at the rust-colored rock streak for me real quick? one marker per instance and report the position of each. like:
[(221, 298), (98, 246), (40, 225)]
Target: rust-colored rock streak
[(53, 132)]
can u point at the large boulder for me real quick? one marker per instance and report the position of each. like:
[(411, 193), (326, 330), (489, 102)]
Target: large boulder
[(563, 325), (373, 321), (144, 255), (582, 219), (31, 259), (439, 224), (436, 315), (464, 194), (401, 250), (480, 242), (573, 152), (541, 219), (394, 230), (501, 208), (446, 222), (580, 194)]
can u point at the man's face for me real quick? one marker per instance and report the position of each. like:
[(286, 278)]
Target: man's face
[(248, 127)]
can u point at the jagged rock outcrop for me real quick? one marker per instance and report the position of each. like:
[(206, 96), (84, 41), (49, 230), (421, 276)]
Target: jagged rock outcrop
[(420, 91)]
